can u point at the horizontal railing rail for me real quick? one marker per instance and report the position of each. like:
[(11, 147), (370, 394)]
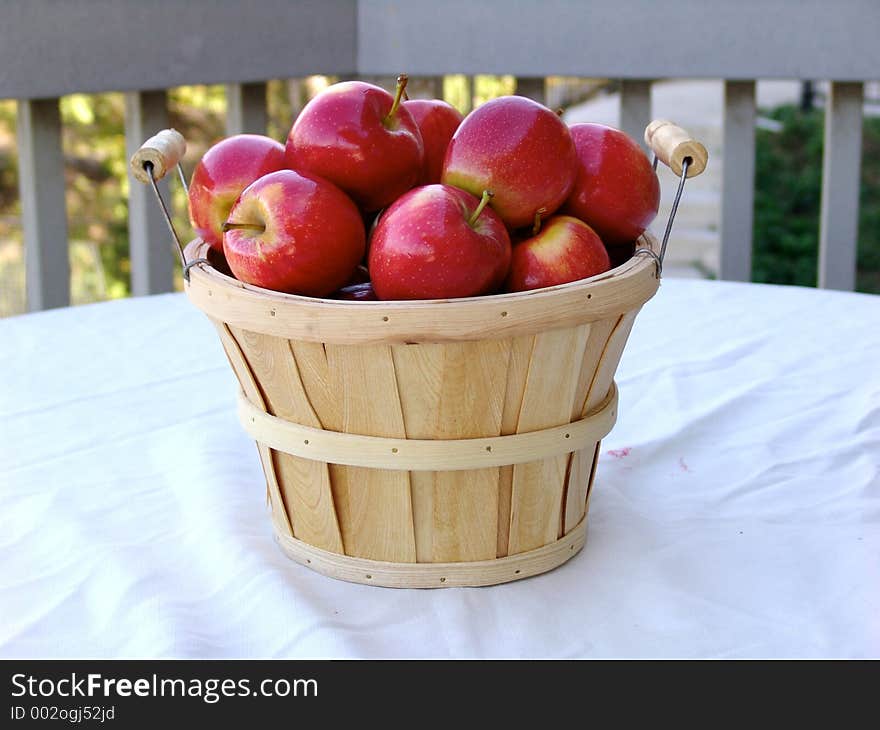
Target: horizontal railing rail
[(50, 49)]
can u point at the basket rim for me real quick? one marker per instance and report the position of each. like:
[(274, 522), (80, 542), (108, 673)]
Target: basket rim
[(615, 292), (388, 574)]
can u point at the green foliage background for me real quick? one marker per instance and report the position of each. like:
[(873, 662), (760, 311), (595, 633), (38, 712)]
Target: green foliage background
[(788, 186)]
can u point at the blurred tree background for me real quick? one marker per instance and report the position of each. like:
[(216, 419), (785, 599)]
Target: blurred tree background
[(788, 179), (96, 176), (788, 187)]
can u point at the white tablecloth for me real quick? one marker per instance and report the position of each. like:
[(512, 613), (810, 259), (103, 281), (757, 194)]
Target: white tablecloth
[(736, 510)]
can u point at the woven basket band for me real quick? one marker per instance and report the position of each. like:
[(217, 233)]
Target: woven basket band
[(376, 452)]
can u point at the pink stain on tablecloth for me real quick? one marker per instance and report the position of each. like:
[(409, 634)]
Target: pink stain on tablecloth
[(619, 453), (682, 465)]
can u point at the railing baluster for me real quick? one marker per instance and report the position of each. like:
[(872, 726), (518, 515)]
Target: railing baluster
[(437, 87), (246, 110), (738, 181), (152, 259), (43, 210), (635, 108), (532, 87), (841, 169)]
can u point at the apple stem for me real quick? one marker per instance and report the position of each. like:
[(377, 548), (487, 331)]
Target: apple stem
[(399, 94), (537, 226), (228, 226), (487, 196)]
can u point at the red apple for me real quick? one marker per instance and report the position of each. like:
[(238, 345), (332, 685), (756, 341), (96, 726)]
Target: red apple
[(360, 138), (437, 122), (225, 170), (294, 233), (518, 149), (564, 249), (438, 242), (616, 190)]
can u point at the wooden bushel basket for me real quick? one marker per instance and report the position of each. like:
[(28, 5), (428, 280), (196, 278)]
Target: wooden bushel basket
[(434, 443), (428, 443)]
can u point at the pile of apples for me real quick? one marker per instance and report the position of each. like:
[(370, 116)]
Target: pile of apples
[(438, 206)]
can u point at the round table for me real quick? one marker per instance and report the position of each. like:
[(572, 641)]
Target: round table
[(736, 510)]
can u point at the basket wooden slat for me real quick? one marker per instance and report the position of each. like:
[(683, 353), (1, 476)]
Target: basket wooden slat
[(311, 360), (609, 360), (374, 505), (581, 472), (305, 484), (537, 487), (464, 503), (581, 462), (251, 389), (597, 340), (517, 372), (419, 371)]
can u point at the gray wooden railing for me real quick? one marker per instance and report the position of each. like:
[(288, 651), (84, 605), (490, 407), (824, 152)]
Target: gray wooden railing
[(49, 49)]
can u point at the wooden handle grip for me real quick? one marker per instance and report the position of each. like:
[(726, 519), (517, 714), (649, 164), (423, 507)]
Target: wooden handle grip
[(672, 144), (163, 151)]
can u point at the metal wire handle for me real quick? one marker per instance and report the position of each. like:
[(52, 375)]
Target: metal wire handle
[(685, 156), (685, 164), (186, 265), (149, 164)]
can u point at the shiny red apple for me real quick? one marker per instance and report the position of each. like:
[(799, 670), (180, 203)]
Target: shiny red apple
[(361, 139), (224, 171), (294, 233), (616, 191), (564, 249), (437, 122), (518, 149), (438, 242)]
